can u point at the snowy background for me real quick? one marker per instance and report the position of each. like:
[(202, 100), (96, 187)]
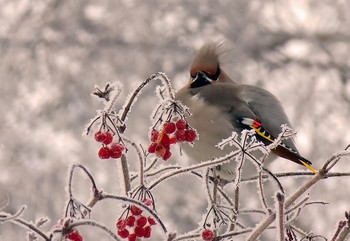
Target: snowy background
[(52, 53)]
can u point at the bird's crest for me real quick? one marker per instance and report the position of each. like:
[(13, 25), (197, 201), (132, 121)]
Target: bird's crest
[(208, 60)]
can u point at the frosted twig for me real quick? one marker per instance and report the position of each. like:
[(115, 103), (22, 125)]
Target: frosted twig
[(130, 200), (94, 224), (125, 174), (322, 173), (72, 203), (208, 163), (211, 198), (70, 179), (280, 215), (286, 133), (31, 227), (298, 205), (261, 191), (154, 162), (141, 161), (160, 76), (343, 229), (8, 217), (187, 237), (297, 174), (236, 207)]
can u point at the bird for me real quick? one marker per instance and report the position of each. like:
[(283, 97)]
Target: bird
[(220, 106)]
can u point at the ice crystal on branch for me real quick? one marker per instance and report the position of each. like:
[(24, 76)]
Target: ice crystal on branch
[(249, 149)]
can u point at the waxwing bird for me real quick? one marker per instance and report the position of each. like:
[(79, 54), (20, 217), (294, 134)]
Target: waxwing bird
[(219, 106)]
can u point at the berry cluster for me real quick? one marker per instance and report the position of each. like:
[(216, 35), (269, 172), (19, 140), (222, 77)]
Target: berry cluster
[(108, 149), (135, 225), (171, 133), (74, 235), (207, 235)]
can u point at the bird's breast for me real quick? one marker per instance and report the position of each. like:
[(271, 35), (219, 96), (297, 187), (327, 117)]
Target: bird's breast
[(212, 125)]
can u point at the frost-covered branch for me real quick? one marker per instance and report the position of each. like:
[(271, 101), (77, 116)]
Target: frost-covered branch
[(209, 163), (92, 223), (321, 174), (160, 76)]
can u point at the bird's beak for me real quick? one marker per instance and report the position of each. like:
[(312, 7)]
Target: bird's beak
[(201, 79)]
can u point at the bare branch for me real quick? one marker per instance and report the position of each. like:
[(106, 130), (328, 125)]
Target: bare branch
[(280, 215)]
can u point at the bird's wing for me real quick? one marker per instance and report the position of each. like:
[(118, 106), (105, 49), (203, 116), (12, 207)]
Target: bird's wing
[(245, 102), (268, 110), (271, 116)]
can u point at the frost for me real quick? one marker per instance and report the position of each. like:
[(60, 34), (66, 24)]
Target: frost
[(168, 110)]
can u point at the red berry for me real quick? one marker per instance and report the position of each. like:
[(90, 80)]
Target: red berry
[(160, 151), (207, 235), (154, 135), (173, 140), (164, 139), (190, 135), (116, 150), (130, 221), (142, 221), (147, 232), (181, 124), (123, 233), (151, 221), (147, 202), (180, 135), (139, 231), (109, 138), (100, 136), (132, 237), (152, 147), (167, 155), (169, 127), (135, 210), (121, 224), (104, 153), (74, 236)]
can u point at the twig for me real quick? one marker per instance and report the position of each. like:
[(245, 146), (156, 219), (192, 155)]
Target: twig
[(261, 191), (236, 207), (141, 162), (159, 75), (211, 198), (31, 227), (322, 173), (345, 228), (8, 217), (280, 215), (95, 224), (126, 199), (95, 191), (125, 174), (154, 161), (70, 179), (207, 163), (341, 225)]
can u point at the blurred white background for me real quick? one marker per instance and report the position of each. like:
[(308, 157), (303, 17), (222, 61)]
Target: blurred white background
[(53, 52)]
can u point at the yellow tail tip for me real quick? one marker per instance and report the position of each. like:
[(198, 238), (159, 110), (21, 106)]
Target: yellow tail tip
[(308, 166)]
